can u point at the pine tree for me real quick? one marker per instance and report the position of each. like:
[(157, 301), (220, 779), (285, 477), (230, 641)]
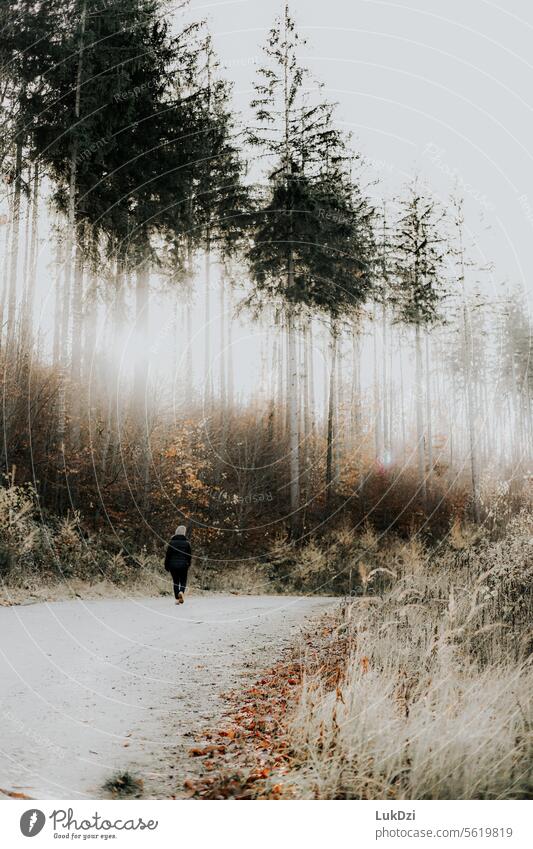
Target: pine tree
[(418, 260), (469, 354), (515, 371), (311, 231)]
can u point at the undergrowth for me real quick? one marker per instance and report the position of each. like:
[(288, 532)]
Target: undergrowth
[(436, 696), (419, 688)]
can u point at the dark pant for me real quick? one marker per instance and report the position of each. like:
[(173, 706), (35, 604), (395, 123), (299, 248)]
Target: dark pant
[(179, 579)]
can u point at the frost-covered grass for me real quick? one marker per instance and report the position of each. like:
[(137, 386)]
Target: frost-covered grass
[(436, 697)]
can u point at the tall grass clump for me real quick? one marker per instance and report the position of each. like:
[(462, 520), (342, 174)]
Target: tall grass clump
[(435, 700)]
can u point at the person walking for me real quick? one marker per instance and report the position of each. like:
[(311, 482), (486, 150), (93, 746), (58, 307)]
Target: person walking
[(177, 562)]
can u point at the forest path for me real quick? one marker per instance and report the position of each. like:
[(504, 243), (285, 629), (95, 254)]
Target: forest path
[(92, 688)]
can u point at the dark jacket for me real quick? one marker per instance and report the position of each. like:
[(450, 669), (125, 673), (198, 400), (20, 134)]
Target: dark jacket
[(178, 553)]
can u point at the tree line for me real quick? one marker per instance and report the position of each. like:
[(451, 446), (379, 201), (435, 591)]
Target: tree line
[(119, 139)]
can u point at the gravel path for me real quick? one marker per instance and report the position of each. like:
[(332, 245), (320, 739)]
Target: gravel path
[(91, 688)]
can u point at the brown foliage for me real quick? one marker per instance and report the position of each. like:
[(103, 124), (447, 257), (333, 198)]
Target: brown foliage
[(255, 759)]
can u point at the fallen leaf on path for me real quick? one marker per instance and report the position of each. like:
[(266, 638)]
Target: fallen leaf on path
[(13, 795), (198, 752)]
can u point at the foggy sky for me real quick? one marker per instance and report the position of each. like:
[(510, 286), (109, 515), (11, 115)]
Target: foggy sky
[(439, 89)]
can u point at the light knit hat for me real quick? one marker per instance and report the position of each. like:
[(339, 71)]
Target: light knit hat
[(181, 530)]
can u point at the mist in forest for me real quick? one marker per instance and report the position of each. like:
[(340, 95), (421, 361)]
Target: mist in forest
[(230, 312)]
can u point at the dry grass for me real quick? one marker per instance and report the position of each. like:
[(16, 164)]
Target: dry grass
[(47, 558), (124, 786), (436, 697)]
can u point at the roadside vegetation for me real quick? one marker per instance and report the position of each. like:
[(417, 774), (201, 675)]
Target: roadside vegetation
[(435, 700), (356, 552), (420, 689)]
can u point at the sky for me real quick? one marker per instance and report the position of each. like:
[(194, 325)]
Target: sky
[(439, 89)]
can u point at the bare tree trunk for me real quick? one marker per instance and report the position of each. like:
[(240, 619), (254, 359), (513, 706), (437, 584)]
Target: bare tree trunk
[(120, 316), (279, 377), (306, 379), (189, 381), (338, 442), (452, 422), (24, 341), (110, 397), (71, 240), (326, 357), (189, 365), (331, 414), (392, 407), (15, 238), (402, 400), (287, 365), (58, 298), (294, 429), (5, 274), (222, 358), (419, 416), (470, 411), (142, 322), (471, 414), (386, 434), (377, 410), (77, 320), (429, 425), (208, 393), (120, 280), (108, 435), (488, 420), (310, 352), (306, 417), (229, 358), (356, 388), (76, 399), (32, 275), (272, 386), (142, 402), (90, 328)]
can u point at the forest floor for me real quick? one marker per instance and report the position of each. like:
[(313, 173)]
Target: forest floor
[(95, 689)]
